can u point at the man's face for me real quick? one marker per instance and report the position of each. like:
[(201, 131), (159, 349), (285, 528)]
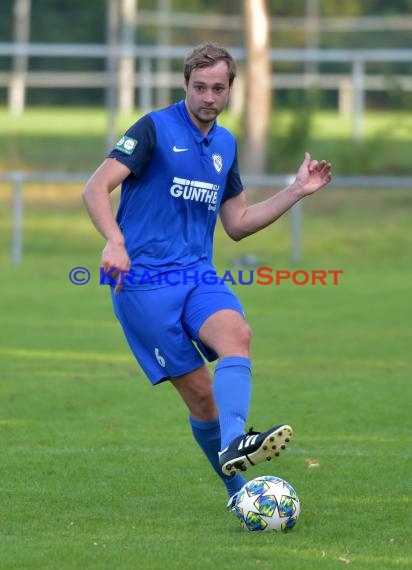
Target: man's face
[(207, 93)]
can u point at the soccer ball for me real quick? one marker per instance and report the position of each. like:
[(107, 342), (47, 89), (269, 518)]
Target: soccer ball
[(267, 503)]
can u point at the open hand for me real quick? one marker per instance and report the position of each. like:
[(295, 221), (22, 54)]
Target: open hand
[(313, 174)]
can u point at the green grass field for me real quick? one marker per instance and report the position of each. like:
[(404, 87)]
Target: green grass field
[(74, 139), (85, 479)]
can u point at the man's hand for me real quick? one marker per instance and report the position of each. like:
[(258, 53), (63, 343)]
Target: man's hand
[(115, 255), (312, 175)]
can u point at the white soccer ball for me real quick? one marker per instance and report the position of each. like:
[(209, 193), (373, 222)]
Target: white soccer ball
[(267, 503)]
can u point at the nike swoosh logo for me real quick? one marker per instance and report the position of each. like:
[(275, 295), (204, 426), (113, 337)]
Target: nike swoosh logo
[(175, 149)]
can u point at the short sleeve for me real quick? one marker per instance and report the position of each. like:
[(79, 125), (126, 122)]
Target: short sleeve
[(136, 146), (234, 185)]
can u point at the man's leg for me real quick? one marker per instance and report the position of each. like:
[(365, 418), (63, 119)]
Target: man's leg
[(195, 388), (227, 333), (166, 351)]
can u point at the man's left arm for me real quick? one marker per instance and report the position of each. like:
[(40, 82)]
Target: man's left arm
[(240, 220)]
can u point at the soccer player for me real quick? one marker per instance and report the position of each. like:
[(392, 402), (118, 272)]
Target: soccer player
[(179, 170)]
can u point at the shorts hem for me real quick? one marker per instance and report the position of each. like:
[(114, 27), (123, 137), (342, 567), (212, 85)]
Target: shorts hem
[(166, 378)]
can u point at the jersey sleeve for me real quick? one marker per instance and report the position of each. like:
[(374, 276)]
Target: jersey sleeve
[(135, 148), (234, 185)]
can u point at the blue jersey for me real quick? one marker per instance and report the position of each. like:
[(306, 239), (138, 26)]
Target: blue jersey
[(179, 178)]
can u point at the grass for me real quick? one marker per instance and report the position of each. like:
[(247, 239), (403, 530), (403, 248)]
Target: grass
[(84, 483), (74, 139)]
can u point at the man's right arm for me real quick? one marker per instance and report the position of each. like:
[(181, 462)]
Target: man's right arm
[(124, 159), (96, 197)]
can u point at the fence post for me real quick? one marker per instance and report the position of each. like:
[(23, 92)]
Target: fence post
[(145, 91), (164, 39), (126, 61), (21, 34), (296, 231), (17, 216), (112, 29), (358, 72)]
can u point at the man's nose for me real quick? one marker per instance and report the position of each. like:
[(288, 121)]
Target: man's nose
[(209, 97)]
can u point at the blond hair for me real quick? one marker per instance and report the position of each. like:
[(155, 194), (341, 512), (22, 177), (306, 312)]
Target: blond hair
[(207, 55)]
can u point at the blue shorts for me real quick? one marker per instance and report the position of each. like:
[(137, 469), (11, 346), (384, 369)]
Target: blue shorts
[(162, 325)]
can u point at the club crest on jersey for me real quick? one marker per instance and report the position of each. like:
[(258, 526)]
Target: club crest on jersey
[(217, 162), (126, 145)]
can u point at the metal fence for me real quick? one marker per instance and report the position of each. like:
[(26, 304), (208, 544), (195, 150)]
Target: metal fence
[(18, 179), (148, 80)]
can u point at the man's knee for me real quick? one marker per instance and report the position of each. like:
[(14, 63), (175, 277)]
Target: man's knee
[(235, 340), (227, 333), (243, 334)]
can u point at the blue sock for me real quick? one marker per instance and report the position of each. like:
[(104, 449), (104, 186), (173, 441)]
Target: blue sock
[(232, 391), (207, 435)]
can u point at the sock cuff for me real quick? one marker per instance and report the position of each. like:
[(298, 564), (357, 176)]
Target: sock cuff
[(204, 424), (234, 361)]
